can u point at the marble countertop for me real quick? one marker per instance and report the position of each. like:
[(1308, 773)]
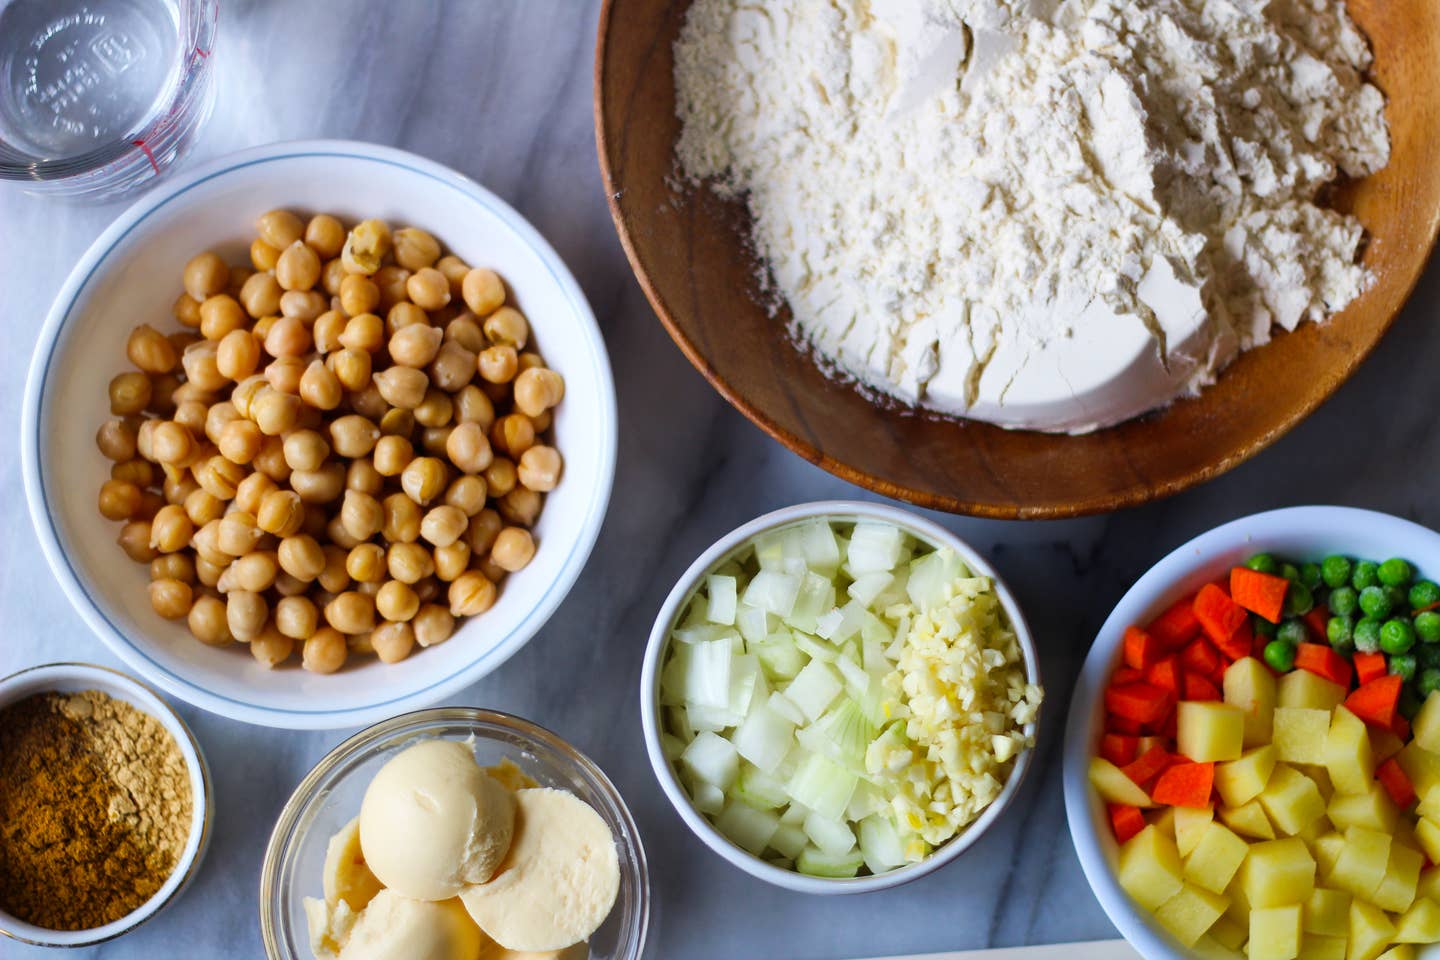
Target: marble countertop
[(502, 92)]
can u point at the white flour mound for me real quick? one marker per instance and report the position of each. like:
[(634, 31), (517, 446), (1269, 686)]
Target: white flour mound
[(1052, 214)]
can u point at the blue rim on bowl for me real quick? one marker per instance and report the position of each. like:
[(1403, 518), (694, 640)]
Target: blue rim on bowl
[(133, 652)]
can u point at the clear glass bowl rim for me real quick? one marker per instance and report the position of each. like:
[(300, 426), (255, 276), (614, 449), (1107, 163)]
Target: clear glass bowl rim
[(484, 723)]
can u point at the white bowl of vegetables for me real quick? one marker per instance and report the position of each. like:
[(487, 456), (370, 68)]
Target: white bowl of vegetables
[(840, 697)]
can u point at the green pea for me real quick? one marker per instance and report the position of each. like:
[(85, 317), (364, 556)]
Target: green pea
[(1374, 602), (1341, 633), (1335, 571), (1344, 600), (1310, 575), (1425, 593), (1398, 599), (1280, 655), (1397, 636), (1290, 572), (1429, 681), (1410, 702), (1264, 563), (1403, 665), (1367, 635), (1264, 628), (1427, 626), (1291, 632), (1365, 575), (1428, 654), (1298, 600), (1395, 572)]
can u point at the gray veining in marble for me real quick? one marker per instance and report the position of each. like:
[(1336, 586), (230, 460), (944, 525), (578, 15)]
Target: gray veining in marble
[(500, 90)]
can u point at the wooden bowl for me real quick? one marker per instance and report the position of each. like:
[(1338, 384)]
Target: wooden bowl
[(690, 252)]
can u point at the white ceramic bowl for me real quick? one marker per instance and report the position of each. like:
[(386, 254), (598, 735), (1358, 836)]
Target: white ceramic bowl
[(674, 606), (132, 274), (72, 678), (1299, 532)]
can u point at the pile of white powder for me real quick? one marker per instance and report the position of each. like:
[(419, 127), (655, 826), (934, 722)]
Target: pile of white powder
[(1053, 214)]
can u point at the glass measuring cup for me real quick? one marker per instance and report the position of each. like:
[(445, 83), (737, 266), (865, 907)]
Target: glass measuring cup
[(99, 97)]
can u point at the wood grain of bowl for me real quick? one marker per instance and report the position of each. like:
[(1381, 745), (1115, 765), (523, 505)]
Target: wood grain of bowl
[(690, 252)]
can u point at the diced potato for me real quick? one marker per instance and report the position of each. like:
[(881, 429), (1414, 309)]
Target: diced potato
[(1206, 731), (1301, 688), (1191, 912), (1427, 834), (1164, 821), (1317, 829), (1275, 933), (1362, 862), (1429, 805), (1114, 787), (1239, 911), (1292, 800), (1396, 891), (1321, 776), (1370, 931), (1150, 868), (1429, 886), (1420, 765), (1229, 934), (1215, 859), (1348, 754), (1373, 810), (1425, 728), (1250, 685), (1248, 820), (1327, 913), (1419, 924), (1278, 873), (1190, 824), (1402, 951), (1300, 734), (1241, 781), (1208, 948), (1327, 850), (1315, 947)]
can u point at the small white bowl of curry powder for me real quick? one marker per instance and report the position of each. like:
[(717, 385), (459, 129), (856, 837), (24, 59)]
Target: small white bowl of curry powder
[(104, 804)]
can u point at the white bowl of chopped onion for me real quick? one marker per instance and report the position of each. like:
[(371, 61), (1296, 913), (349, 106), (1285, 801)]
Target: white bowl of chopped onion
[(840, 697)]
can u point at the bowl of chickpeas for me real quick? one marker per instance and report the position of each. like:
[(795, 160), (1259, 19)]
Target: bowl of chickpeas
[(318, 434)]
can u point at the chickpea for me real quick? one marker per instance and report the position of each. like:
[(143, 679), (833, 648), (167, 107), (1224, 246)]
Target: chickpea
[(530, 359), (143, 435), (171, 529), (433, 439), (326, 235), (361, 515), (392, 455), (484, 527), (358, 294), (513, 549), (452, 560), (186, 310), (436, 410), (279, 228), (221, 314), (415, 249), (252, 491), (149, 350), (473, 406), (453, 367), (281, 513), (366, 246), (303, 305), (139, 472), (466, 493), (245, 614), (208, 574), (391, 280), (285, 373), (202, 507), (537, 390), (443, 525), (200, 368), (240, 441), (256, 571), (429, 589), (454, 270), (353, 436), (305, 450), (521, 506), (351, 367), (170, 598), (262, 255), (238, 533), (428, 288), (432, 625), (288, 337), (415, 345), (150, 504), (471, 593), (216, 418), (324, 650), (207, 621), (405, 314), (260, 295), (190, 417), (332, 274), (335, 531), (271, 460), (465, 331), (369, 403), (243, 396), (409, 562), (275, 412), (116, 440), (334, 578), (513, 434), (396, 601), (402, 387), (327, 329), (483, 291), (173, 566), (301, 557), (119, 500), (271, 647), (319, 486), (205, 274), (539, 468), (163, 390), (134, 539), (351, 612), (317, 520), (392, 642), (397, 422), (288, 586), (129, 394), (365, 563), (507, 327), (492, 570), (365, 331), (498, 364), (362, 477), (238, 355), (423, 479), (468, 448)]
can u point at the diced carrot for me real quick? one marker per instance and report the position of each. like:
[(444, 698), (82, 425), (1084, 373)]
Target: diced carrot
[(1239, 645), (1185, 785), (1118, 748), (1124, 675), (1142, 702), (1169, 727), (1375, 702), (1368, 666), (1401, 727), (1323, 661), (1219, 616), (1318, 621), (1200, 688), (1262, 594), (1125, 820), (1165, 674), (1141, 649), (1427, 608), (1396, 783), (1200, 657), (1124, 725), (1148, 765), (1177, 626)]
